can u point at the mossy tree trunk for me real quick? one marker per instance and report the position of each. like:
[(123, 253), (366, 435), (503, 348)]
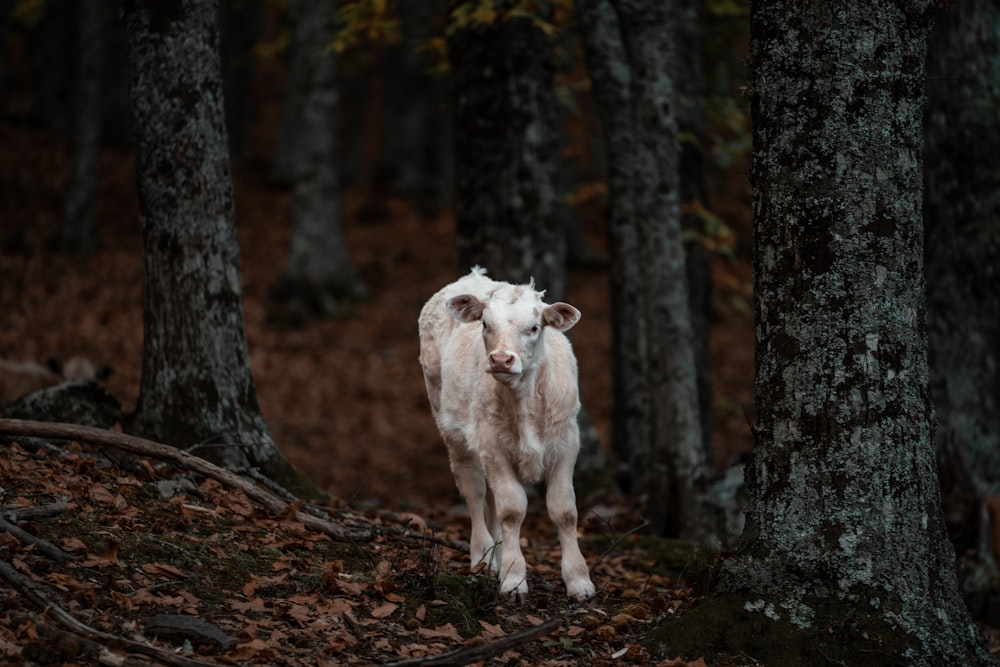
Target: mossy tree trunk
[(629, 49), (196, 388), (845, 557), (962, 215)]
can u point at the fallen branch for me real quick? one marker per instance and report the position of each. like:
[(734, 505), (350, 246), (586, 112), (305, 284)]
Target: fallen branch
[(464, 656), (36, 594), (157, 450), (43, 545), (30, 513)]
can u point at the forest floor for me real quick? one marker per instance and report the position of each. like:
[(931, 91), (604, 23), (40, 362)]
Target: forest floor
[(344, 398)]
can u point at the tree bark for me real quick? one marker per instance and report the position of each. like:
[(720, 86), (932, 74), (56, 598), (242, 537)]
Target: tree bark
[(844, 557), (319, 275), (196, 386), (658, 429)]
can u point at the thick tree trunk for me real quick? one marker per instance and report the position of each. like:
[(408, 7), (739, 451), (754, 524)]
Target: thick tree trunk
[(506, 154), (196, 387), (504, 112), (844, 558), (77, 232), (962, 215), (629, 53), (319, 275)]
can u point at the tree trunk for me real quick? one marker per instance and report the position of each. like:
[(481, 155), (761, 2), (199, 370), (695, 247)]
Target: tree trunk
[(844, 558), (962, 216), (658, 429), (77, 232), (5, 7), (289, 149), (239, 21), (692, 125), (50, 48), (319, 275), (416, 156), (504, 107), (196, 388), (506, 154)]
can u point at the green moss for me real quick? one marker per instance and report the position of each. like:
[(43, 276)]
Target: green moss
[(742, 631), (460, 600), (680, 560)]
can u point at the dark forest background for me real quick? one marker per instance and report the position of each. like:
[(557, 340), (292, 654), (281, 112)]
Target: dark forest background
[(342, 394)]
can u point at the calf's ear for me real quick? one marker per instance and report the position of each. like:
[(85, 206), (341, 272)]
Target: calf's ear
[(466, 308), (560, 316)]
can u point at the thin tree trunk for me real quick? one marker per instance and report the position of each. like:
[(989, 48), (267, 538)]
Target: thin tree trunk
[(692, 123), (286, 163), (612, 88), (77, 232), (196, 388), (644, 155), (239, 21), (844, 558), (319, 274)]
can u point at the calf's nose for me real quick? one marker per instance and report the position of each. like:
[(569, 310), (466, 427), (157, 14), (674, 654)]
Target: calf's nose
[(501, 362)]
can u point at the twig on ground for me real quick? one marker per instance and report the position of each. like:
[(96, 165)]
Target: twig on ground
[(464, 656), (143, 447), (36, 594)]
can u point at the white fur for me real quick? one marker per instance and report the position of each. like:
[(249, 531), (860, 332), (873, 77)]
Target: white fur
[(502, 382)]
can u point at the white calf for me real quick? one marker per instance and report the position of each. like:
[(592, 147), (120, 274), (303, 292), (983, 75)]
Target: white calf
[(502, 383)]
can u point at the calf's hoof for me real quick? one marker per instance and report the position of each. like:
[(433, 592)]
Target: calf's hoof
[(580, 590)]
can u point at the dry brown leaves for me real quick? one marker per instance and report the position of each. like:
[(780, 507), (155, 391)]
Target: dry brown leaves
[(288, 595)]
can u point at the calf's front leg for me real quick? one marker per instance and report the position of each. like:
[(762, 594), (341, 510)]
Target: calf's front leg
[(561, 502), (472, 485), (511, 506)]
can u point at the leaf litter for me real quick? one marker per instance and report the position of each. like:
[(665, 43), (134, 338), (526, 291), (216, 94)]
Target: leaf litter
[(290, 596)]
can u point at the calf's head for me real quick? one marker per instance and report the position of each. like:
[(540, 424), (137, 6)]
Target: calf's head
[(513, 319)]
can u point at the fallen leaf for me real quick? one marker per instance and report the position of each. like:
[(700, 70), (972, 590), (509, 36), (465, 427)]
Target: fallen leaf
[(108, 557), (446, 631), (73, 544), (164, 570), (384, 610)]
